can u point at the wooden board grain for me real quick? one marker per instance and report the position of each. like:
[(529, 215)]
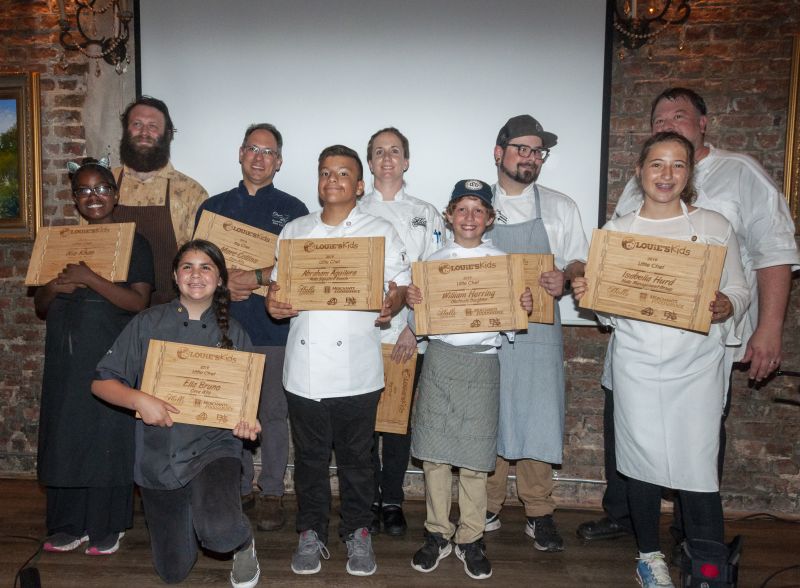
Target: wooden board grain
[(244, 246), (534, 265), (469, 295), (331, 274), (665, 281), (106, 248), (394, 408), (210, 386)]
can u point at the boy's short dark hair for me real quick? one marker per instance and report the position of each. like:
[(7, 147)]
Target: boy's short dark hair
[(675, 93), (169, 128), (342, 151), (394, 131), (264, 127)]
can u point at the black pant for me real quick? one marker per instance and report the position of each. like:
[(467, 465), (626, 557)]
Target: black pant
[(702, 514), (96, 512), (346, 425), (615, 498), (396, 450), (208, 508)]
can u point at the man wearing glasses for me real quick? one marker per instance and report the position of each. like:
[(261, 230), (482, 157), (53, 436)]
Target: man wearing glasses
[(532, 219), (258, 203)]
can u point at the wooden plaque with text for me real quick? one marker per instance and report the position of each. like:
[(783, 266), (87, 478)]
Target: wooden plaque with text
[(534, 265), (331, 274), (244, 247), (394, 408), (666, 281), (469, 295), (210, 386), (106, 248)]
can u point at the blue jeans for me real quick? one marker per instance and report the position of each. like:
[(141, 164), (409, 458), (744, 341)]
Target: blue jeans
[(208, 509)]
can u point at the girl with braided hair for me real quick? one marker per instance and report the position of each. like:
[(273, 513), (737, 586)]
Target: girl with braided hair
[(188, 474)]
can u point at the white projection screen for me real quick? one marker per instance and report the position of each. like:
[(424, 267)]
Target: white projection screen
[(447, 73)]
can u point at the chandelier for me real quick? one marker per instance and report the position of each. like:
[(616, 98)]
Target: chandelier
[(100, 32), (640, 22)]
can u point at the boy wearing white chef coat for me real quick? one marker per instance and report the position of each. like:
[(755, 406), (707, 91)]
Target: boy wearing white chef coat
[(333, 374)]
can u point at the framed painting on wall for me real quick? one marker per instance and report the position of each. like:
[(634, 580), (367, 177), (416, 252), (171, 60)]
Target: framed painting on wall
[(20, 156)]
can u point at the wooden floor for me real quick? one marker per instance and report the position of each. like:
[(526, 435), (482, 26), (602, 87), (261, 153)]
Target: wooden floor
[(769, 546)]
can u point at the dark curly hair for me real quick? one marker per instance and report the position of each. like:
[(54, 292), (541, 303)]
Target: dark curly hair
[(222, 296)]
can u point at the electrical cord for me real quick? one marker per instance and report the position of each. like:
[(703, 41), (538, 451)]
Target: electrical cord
[(29, 579)]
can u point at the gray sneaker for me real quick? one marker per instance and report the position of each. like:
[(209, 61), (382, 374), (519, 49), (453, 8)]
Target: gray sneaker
[(306, 557), (245, 571), (360, 557)]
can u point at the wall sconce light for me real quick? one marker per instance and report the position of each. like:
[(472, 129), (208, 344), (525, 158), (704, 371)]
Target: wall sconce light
[(99, 32), (639, 23)]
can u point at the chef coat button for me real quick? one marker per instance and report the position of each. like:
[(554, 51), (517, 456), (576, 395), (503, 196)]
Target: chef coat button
[(204, 326), (347, 224), (174, 455), (339, 343), (302, 341), (185, 324)]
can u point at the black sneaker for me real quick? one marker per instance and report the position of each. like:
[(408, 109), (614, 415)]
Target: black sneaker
[(492, 521), (544, 533), (394, 523), (435, 549), (476, 564)]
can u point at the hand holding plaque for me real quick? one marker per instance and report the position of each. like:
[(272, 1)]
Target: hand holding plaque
[(664, 281), (469, 295), (331, 274)]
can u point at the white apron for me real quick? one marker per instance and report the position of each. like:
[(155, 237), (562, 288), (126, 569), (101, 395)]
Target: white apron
[(668, 398)]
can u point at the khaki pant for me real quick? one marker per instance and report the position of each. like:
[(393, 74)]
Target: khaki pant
[(534, 487), (471, 502)]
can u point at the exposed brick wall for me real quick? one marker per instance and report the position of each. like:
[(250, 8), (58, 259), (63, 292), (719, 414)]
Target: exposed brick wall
[(29, 42), (737, 56)]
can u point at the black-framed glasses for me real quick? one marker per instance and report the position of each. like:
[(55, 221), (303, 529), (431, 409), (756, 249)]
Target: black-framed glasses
[(527, 151), (86, 191), (265, 151)]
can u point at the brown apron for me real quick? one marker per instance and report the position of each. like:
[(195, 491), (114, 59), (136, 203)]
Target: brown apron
[(154, 223)]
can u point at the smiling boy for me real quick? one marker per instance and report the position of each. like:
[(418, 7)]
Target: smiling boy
[(333, 374)]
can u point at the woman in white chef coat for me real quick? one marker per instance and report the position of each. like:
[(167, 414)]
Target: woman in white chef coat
[(669, 388)]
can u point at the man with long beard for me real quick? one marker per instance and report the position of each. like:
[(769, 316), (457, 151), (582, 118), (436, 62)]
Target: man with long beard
[(159, 199), (532, 219)]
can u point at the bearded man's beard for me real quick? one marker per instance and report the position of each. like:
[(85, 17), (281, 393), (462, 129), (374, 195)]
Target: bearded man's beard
[(144, 158), (523, 175)]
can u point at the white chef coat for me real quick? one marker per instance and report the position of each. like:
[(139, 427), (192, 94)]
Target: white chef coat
[(737, 187), (456, 251), (669, 384), (560, 215), (335, 353), (421, 228)]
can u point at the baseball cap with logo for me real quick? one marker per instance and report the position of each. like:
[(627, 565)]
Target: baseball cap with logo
[(475, 188), (523, 126)]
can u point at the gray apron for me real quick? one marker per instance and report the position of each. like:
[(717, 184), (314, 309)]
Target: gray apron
[(532, 367), (455, 410)]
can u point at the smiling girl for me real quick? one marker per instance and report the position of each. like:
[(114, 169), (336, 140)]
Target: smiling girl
[(85, 458), (188, 475), (669, 387)]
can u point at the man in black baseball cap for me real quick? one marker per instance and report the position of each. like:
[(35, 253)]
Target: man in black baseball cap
[(532, 219)]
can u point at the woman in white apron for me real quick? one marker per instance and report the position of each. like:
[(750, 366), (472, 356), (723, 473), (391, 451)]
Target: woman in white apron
[(669, 388)]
